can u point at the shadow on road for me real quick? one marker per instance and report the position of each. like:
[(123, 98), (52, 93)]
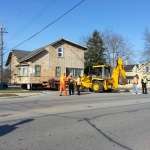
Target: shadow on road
[(5, 129)]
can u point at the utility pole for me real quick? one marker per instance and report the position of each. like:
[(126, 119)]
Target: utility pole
[(2, 31)]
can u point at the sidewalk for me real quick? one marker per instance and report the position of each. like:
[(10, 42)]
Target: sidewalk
[(29, 94)]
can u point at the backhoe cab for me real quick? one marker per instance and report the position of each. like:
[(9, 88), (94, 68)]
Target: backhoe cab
[(101, 78)]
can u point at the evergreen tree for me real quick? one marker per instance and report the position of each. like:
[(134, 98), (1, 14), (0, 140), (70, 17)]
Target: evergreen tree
[(95, 51)]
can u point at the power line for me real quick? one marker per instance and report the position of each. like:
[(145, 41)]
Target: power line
[(48, 25), (10, 12), (33, 20)]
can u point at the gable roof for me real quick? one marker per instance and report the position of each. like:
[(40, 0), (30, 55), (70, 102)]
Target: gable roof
[(18, 53), (72, 43), (23, 55), (143, 65), (31, 54), (130, 67), (37, 51)]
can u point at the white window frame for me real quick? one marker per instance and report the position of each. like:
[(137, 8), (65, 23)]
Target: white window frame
[(19, 71), (37, 72), (57, 71), (60, 52), (22, 71)]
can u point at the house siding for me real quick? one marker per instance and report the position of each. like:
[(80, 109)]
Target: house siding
[(13, 68)]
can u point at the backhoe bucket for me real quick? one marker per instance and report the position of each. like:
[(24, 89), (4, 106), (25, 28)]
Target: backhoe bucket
[(122, 80)]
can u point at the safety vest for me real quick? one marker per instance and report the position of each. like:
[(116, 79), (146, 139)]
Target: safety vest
[(144, 80), (70, 79), (63, 78), (78, 81), (135, 80)]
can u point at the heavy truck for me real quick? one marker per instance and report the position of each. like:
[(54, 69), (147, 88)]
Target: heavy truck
[(102, 79)]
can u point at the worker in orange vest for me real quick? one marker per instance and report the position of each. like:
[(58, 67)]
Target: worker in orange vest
[(63, 80), (135, 83)]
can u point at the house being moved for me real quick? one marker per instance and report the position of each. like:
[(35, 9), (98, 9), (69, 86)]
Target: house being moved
[(35, 68)]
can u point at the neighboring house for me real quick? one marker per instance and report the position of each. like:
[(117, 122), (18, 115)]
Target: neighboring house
[(144, 70), (38, 66), (131, 70), (140, 69)]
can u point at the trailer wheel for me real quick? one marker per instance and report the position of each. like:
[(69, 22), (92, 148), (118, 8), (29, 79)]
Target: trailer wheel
[(58, 87), (23, 86), (97, 87)]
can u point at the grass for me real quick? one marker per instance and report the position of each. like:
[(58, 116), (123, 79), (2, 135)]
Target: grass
[(19, 91), (7, 95), (13, 92)]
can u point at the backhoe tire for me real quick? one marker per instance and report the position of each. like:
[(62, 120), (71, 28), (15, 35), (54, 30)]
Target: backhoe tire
[(97, 87), (90, 89), (109, 91)]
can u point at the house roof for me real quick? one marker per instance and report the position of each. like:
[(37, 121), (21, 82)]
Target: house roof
[(130, 77), (130, 67), (143, 65), (62, 39), (35, 52), (18, 53), (31, 54)]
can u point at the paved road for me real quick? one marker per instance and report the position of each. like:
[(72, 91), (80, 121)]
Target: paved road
[(91, 121)]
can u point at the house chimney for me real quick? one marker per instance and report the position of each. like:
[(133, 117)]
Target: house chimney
[(126, 62)]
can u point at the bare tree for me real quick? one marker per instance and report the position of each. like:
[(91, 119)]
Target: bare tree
[(84, 39), (6, 75), (116, 46), (146, 51)]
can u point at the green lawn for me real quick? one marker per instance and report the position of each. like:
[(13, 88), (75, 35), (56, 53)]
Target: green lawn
[(14, 92)]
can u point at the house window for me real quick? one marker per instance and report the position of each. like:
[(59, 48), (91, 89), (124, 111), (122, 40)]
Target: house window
[(37, 70), (22, 71), (74, 71), (60, 52), (19, 72), (147, 69), (57, 71)]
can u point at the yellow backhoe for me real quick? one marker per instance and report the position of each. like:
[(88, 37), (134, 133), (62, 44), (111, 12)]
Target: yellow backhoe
[(102, 79)]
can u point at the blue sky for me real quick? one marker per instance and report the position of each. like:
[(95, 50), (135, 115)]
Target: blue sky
[(24, 18)]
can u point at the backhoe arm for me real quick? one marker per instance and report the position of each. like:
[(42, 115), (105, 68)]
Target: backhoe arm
[(119, 74)]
